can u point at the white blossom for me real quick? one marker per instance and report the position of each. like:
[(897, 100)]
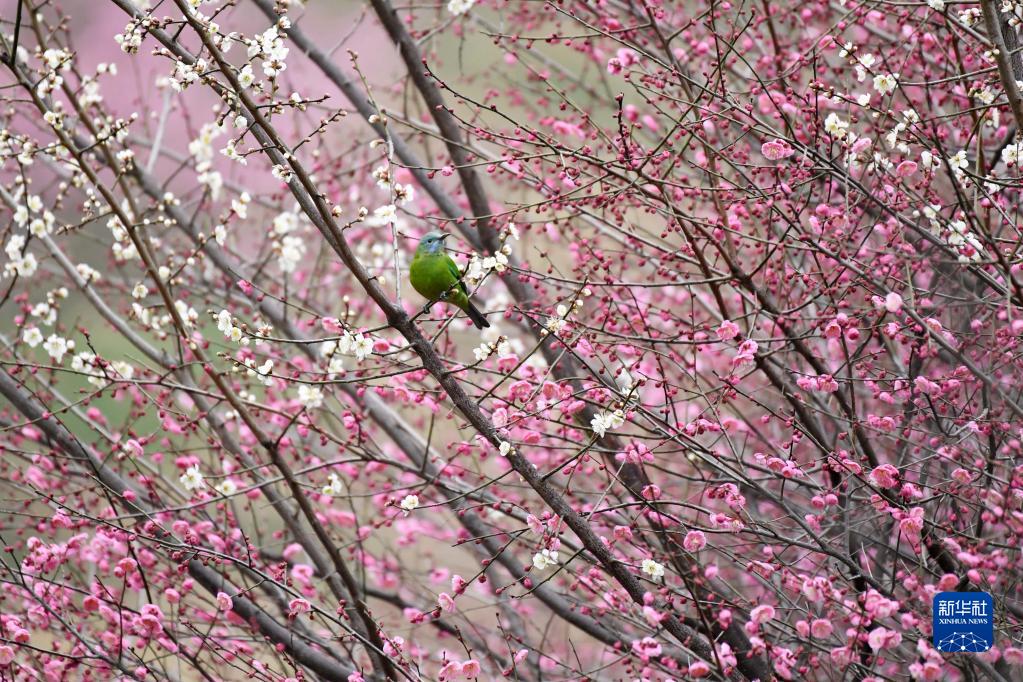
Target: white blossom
[(387, 214), (230, 151), (362, 347), (88, 273), (192, 479), (224, 321), (958, 162), (545, 558), (863, 62), (1012, 152), (262, 373), (555, 323), (123, 369), (56, 346), (483, 351), (227, 487), (403, 194), (32, 336), (46, 313), (928, 160), (282, 172), (23, 266), (246, 77), (653, 569), (187, 313), (603, 422), (310, 396), (970, 16), (459, 7), (292, 251), (886, 83), (241, 205), (409, 503), (835, 126), (334, 485)]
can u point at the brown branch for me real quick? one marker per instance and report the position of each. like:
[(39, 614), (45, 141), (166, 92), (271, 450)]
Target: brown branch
[(1002, 54)]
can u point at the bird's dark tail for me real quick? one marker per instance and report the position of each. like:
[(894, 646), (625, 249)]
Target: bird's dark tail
[(476, 316)]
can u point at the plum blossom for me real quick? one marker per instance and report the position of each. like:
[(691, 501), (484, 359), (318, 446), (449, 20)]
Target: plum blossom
[(882, 638), (32, 336), (835, 126), (728, 330), (885, 476), (885, 83), (544, 559), (334, 485), (224, 601), (459, 7), (694, 541), (56, 346), (409, 503), (602, 422), (386, 214), (653, 569), (893, 302), (646, 648), (761, 614), (192, 479), (311, 397), (746, 353), (227, 487), (776, 150)]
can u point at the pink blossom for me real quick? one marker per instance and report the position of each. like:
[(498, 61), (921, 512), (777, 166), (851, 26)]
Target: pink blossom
[(885, 476), (646, 648), (883, 638), (132, 448), (776, 149), (761, 614), (224, 601), (821, 628), (728, 330), (746, 353), (694, 541), (699, 669), (905, 169), (297, 607)]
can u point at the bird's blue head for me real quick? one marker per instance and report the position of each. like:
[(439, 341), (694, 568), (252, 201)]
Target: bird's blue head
[(433, 242)]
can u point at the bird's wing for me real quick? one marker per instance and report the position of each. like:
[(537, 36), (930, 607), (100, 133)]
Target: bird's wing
[(457, 274)]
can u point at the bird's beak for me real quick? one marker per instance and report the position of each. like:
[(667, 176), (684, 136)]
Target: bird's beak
[(445, 235)]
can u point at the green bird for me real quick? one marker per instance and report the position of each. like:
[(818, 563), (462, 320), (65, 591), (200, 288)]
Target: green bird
[(436, 277)]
